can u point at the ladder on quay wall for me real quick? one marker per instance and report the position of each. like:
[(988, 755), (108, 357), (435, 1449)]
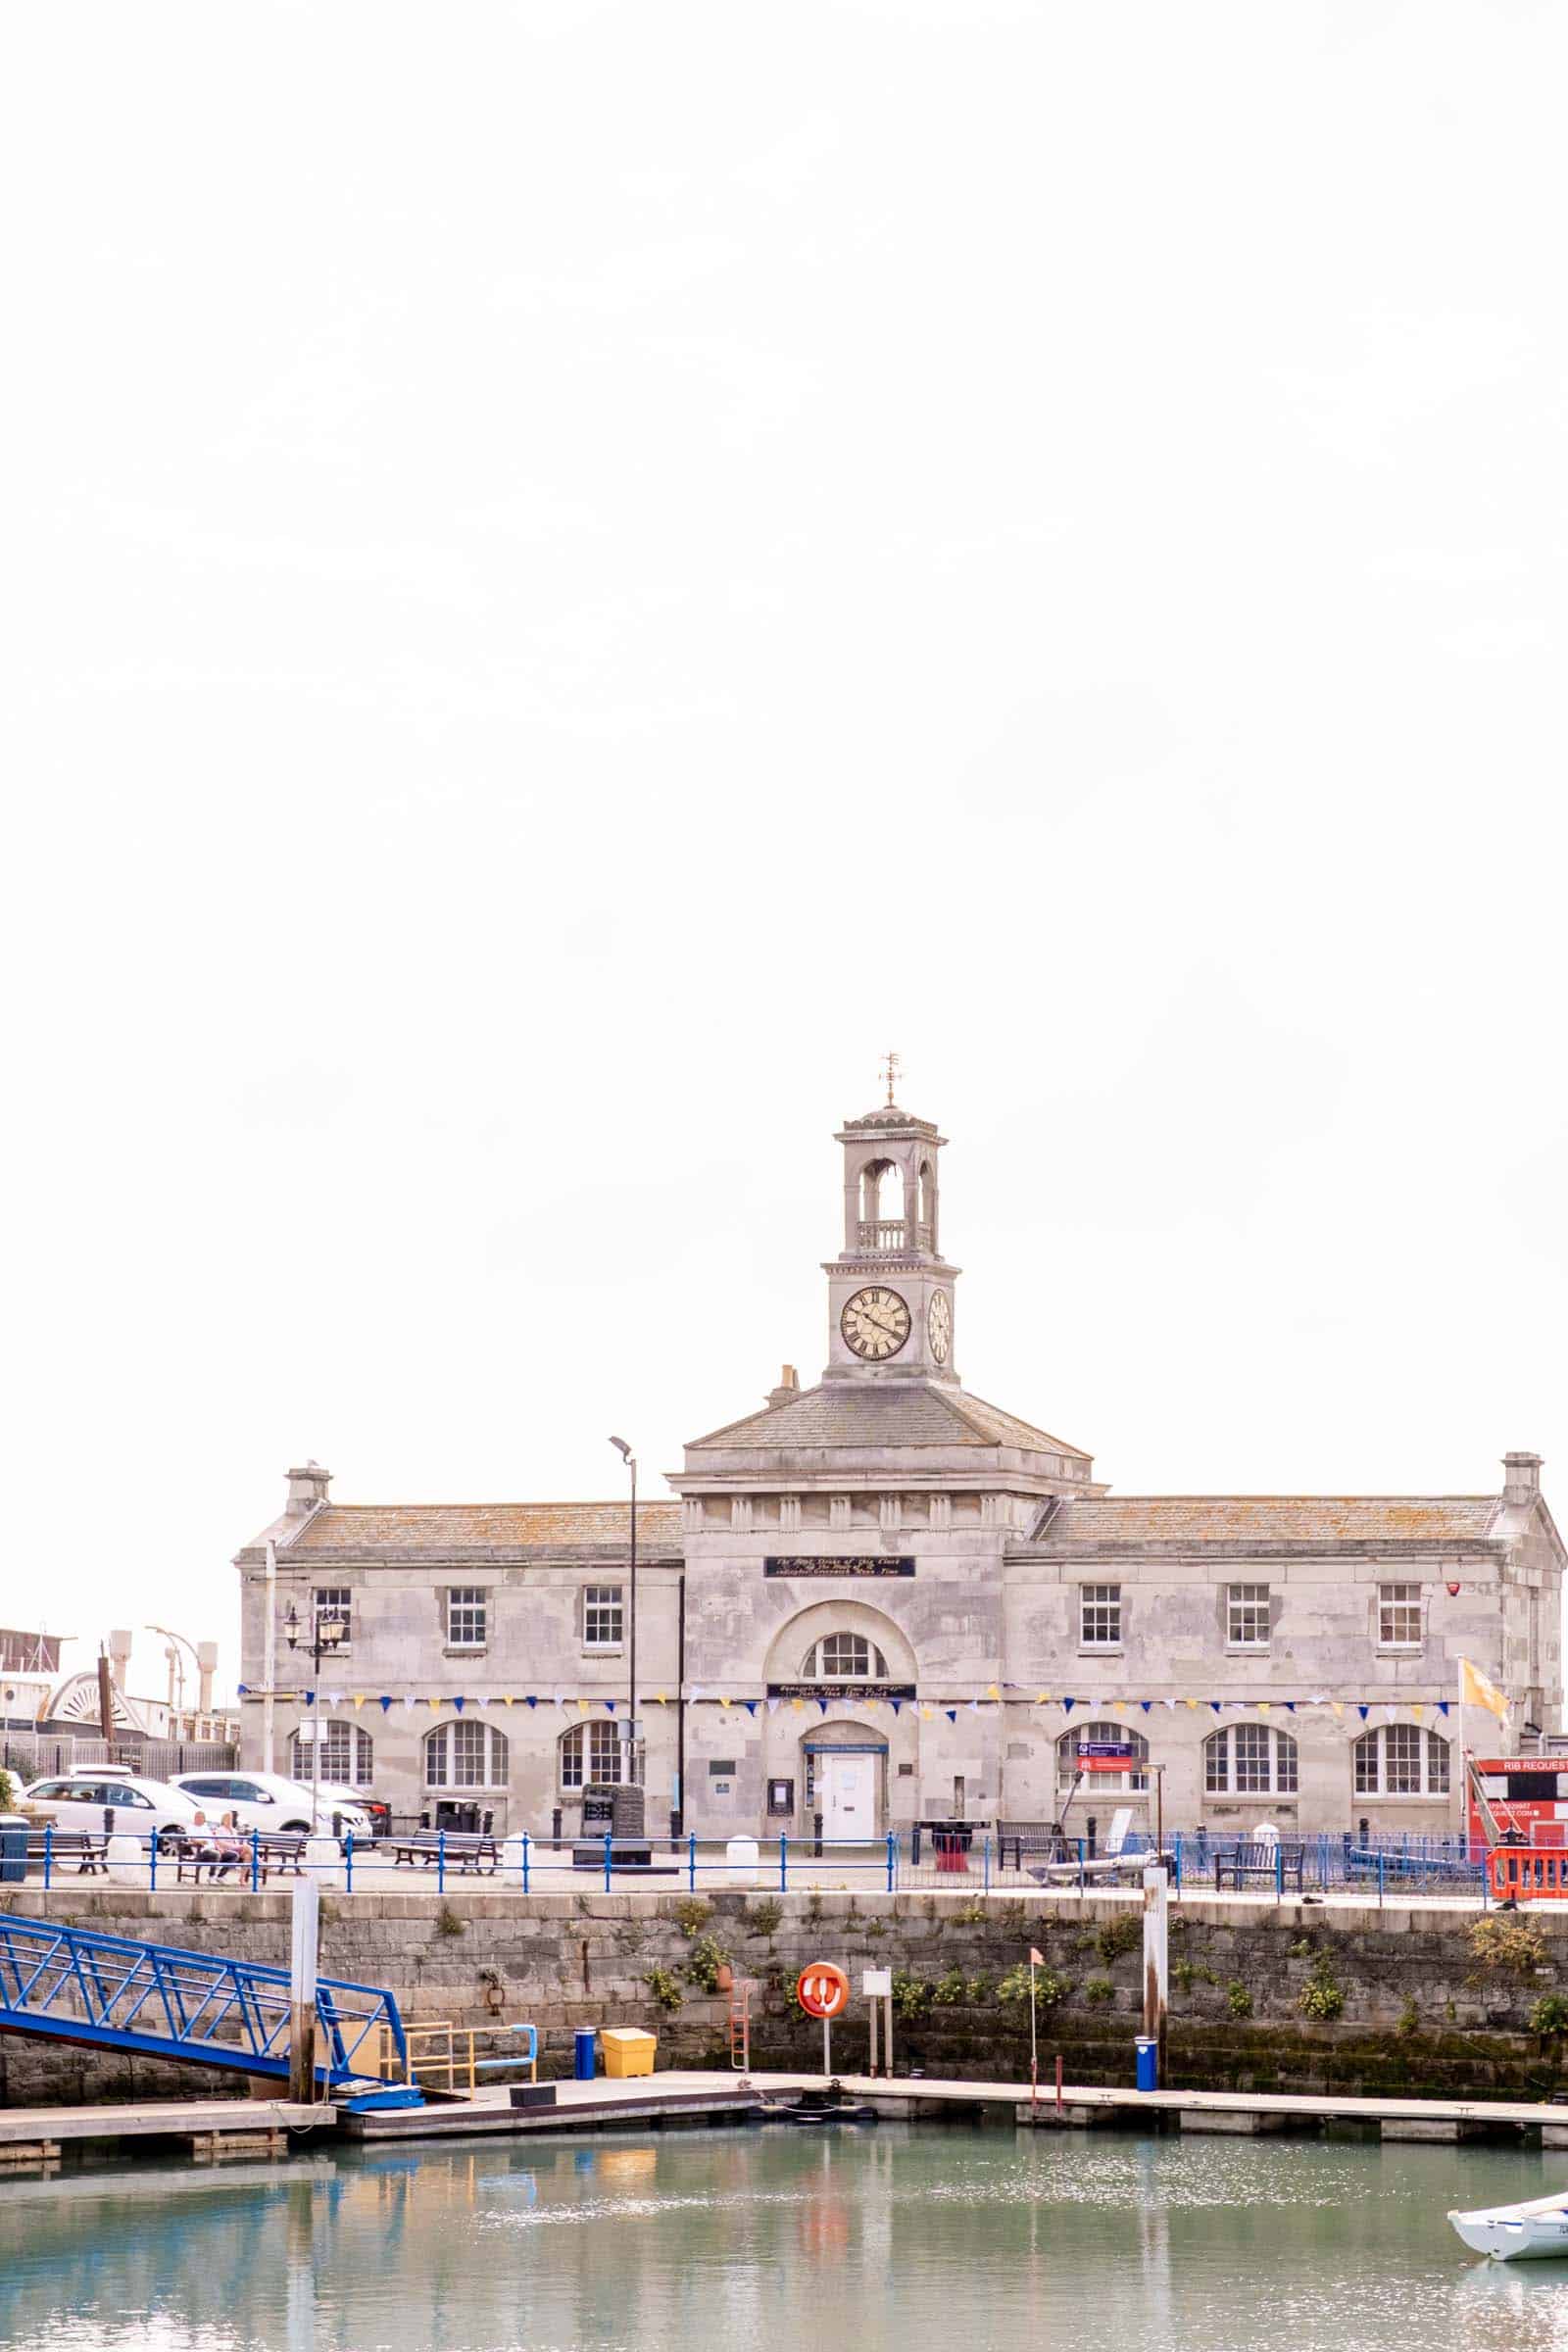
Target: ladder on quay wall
[(740, 2024), (65, 1984)]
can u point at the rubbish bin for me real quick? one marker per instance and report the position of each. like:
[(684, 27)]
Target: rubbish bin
[(1148, 2062), (13, 1849), (583, 2055), (628, 2051), (953, 1840)]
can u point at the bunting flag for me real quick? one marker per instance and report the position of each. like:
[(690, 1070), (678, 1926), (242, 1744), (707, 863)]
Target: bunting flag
[(1067, 1705), (951, 1714), (1337, 1704), (797, 1704), (926, 1714), (481, 1702), (1442, 1706), (1290, 1706), (582, 1706), (1041, 1700), (822, 1705), (1214, 1703), (993, 1693), (1363, 1712), (750, 1705), (533, 1699), (974, 1707), (1262, 1706), (384, 1703), (358, 1700), (432, 1702), (773, 1705), (1418, 1712), (310, 1699), (610, 1706), (459, 1704), (659, 1701), (1146, 1705), (1189, 1702), (895, 1704), (723, 1702), (410, 1702)]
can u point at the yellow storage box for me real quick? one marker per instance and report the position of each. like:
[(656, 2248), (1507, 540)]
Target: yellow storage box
[(627, 2050)]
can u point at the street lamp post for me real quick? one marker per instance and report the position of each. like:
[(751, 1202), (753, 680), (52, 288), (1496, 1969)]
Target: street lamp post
[(328, 1628), (635, 1798)]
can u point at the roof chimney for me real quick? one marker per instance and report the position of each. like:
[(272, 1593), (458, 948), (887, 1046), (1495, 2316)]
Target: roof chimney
[(788, 1387), (1522, 1479), (306, 1489)]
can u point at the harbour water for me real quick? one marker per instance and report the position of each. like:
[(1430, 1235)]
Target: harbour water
[(902, 2238)]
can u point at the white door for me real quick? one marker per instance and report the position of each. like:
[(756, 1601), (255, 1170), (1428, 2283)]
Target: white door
[(849, 1795)]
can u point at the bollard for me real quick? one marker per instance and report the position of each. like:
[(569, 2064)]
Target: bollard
[(893, 1857), (440, 1861), (783, 1860), (691, 1861)]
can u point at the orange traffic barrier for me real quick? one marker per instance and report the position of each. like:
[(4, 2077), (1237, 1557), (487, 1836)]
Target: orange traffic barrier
[(1524, 1874)]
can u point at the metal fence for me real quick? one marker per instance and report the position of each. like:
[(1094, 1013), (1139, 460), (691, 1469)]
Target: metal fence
[(30, 1755)]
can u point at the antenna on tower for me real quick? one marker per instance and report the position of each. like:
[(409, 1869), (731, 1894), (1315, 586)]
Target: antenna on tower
[(889, 1066)]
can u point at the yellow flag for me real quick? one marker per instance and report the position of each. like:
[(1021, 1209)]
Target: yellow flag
[(1042, 1699), (358, 1698), (992, 1691), (582, 1706), (1189, 1702), (1476, 1691), (507, 1700), (1264, 1705), (1119, 1706), (1337, 1704), (723, 1702), (926, 1712), (1418, 1712), (797, 1703), (432, 1702), (660, 1699)]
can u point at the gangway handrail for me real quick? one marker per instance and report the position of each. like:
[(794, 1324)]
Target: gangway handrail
[(70, 1984)]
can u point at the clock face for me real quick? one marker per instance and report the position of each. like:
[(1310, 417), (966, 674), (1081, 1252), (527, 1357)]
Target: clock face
[(875, 1323), (939, 1325)]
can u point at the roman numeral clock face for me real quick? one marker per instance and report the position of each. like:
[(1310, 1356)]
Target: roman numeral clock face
[(875, 1323)]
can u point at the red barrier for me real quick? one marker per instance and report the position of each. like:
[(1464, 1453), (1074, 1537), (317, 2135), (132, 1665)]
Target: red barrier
[(1524, 1874)]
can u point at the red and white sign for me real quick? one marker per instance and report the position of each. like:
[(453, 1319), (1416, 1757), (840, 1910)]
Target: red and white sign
[(822, 1990)]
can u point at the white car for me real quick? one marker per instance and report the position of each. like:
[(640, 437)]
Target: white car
[(265, 1800), (79, 1801)]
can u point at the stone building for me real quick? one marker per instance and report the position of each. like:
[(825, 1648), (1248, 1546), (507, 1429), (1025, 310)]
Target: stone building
[(880, 1601)]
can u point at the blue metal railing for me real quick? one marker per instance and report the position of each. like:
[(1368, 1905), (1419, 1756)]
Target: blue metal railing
[(73, 1984)]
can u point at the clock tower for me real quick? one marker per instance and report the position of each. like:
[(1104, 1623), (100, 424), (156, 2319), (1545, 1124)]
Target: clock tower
[(890, 1290)]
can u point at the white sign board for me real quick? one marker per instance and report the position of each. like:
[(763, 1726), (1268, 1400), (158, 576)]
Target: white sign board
[(876, 1983)]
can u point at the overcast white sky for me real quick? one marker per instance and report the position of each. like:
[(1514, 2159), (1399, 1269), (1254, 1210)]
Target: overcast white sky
[(578, 570)]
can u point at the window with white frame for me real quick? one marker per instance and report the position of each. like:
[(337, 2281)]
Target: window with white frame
[(603, 1617), (1398, 1617), (1100, 1617), (467, 1617), (348, 1754), (466, 1754), (1250, 1760), (1247, 1617), (1102, 1735), (333, 1607), (844, 1658), (1401, 1759), (592, 1752)]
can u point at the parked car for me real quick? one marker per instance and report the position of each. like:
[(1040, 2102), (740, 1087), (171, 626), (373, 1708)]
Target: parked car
[(265, 1800), (375, 1809), (79, 1801)]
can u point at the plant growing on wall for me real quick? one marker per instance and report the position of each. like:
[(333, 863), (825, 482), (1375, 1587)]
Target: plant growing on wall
[(665, 1985), (911, 1995), (1098, 1991), (763, 1918), (1549, 2016), (703, 1962), (1409, 2021), (1116, 1936), (692, 1914), (1052, 1987), (1238, 2000), (447, 1922), (1321, 1995), (1503, 1946)]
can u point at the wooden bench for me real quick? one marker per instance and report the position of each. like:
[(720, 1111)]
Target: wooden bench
[(1277, 1865), (86, 1849), (466, 1851)]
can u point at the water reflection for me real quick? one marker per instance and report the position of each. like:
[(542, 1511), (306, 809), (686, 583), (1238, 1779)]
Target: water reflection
[(902, 2238)]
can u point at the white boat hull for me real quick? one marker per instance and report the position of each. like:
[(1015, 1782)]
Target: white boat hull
[(1517, 2232)]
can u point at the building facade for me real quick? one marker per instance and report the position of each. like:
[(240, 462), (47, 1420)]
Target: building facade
[(881, 1600)]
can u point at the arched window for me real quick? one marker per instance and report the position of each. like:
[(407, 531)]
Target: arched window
[(466, 1754), (1093, 1736), (844, 1658), (1401, 1759), (1250, 1760), (592, 1753), (348, 1753), (928, 1206)]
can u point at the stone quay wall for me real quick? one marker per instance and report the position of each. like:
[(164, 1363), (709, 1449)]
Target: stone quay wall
[(1300, 1997)]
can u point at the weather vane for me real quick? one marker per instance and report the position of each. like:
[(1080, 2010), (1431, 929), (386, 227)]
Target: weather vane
[(889, 1064)]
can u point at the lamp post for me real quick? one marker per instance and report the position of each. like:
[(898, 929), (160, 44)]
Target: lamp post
[(328, 1628), (634, 1803)]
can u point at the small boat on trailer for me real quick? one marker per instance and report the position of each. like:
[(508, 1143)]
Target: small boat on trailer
[(1533, 2232)]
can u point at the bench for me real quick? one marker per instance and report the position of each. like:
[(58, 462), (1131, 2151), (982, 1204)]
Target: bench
[(87, 1849), (466, 1851), (272, 1856), (1276, 1865)]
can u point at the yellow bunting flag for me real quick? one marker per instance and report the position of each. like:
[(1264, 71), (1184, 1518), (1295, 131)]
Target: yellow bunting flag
[(505, 1700), (926, 1713), (1189, 1702), (723, 1702), (358, 1698), (432, 1702), (1337, 1704), (992, 1691), (1119, 1706), (660, 1699), (1264, 1705), (1417, 1711), (582, 1706), (1042, 1698), (797, 1703)]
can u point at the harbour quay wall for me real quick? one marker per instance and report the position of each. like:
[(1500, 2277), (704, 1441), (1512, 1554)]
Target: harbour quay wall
[(1300, 1997)]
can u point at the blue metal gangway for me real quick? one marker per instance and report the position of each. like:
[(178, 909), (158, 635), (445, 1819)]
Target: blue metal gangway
[(158, 2001)]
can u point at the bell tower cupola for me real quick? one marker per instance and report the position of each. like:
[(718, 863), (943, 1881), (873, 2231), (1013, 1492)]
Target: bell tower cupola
[(890, 1290)]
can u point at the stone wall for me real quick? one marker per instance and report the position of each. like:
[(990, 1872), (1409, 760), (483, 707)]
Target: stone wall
[(1304, 1997)]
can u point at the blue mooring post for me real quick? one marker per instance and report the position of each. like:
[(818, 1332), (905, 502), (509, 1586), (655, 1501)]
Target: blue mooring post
[(525, 1861), (348, 1861), (691, 1861), (48, 1851), (440, 1861), (256, 1859), (783, 1860), (893, 1858)]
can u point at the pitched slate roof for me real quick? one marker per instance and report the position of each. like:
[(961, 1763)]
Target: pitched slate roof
[(849, 1415), (1093, 1524), (453, 1530)]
